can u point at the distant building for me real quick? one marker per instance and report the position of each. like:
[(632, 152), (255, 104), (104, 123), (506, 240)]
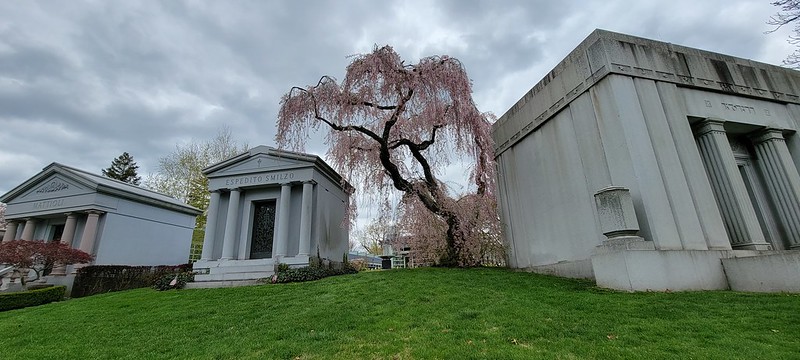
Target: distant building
[(118, 223), (647, 165)]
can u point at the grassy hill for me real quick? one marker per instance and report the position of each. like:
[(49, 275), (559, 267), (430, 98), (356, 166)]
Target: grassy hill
[(408, 314)]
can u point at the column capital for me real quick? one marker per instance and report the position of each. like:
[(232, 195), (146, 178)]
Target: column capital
[(95, 212), (708, 125), (767, 135), (312, 182)]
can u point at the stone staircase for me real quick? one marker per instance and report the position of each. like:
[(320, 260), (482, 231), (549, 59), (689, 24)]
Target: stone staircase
[(228, 273)]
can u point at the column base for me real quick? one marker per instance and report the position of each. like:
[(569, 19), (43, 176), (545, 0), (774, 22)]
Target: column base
[(763, 246)]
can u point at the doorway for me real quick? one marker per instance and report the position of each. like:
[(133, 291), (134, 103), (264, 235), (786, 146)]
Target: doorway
[(263, 230)]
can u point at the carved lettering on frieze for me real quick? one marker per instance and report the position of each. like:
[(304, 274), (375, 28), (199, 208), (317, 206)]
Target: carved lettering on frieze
[(739, 108), (47, 204), (259, 179), (53, 186)]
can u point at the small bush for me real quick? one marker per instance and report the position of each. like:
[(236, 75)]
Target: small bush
[(173, 281), (359, 264), (310, 273), (23, 299)]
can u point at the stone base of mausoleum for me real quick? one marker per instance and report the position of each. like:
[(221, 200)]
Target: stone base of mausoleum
[(679, 270), (226, 273)]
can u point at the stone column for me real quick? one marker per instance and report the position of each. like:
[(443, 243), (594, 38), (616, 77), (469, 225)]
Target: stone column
[(211, 226), (28, 230), (66, 238), (11, 231), (305, 219), (282, 240), (90, 231), (737, 211), (230, 225), (783, 180)]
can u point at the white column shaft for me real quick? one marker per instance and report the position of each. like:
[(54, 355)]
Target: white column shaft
[(283, 221), (229, 240), (11, 231), (783, 181), (305, 219), (738, 213), (66, 238), (211, 226), (90, 232), (28, 230)]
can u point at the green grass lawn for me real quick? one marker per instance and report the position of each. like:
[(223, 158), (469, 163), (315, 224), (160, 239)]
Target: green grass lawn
[(409, 314)]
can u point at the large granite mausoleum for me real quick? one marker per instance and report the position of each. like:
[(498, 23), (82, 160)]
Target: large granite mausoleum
[(647, 165), (268, 207), (118, 223)]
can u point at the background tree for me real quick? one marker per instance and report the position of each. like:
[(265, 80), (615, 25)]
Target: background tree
[(395, 126), (3, 222), (123, 168), (372, 237), (789, 13), (37, 255), (180, 174)]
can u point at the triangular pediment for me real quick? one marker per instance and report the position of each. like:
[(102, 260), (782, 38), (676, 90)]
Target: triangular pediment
[(55, 185), (260, 162)]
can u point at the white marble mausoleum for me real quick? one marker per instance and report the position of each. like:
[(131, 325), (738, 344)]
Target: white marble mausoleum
[(118, 223), (268, 207), (652, 166)]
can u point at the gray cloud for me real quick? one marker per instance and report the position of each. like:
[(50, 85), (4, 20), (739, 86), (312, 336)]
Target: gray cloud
[(83, 81)]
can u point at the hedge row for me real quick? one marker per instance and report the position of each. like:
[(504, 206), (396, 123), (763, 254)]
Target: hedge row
[(18, 300), (99, 279), (310, 273)]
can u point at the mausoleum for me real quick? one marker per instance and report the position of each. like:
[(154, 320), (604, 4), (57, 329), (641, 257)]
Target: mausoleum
[(118, 223), (651, 166), (267, 207)]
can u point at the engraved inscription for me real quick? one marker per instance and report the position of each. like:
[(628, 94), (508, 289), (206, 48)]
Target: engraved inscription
[(47, 204), (53, 186), (259, 179), (739, 108)]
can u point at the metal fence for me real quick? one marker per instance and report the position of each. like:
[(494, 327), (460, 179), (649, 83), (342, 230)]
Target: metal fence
[(195, 252)]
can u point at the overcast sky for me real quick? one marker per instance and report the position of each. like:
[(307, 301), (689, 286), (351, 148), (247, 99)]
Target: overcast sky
[(83, 81)]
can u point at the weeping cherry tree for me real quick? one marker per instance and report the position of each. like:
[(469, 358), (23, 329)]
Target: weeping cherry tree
[(392, 126)]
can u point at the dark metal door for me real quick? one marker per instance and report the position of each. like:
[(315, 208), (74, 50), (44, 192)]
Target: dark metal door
[(263, 230)]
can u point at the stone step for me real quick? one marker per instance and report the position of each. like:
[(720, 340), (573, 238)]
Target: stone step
[(221, 284), (222, 276)]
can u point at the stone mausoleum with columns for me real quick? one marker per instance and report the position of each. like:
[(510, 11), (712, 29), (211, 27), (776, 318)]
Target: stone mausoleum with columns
[(652, 166), (267, 207), (118, 223)]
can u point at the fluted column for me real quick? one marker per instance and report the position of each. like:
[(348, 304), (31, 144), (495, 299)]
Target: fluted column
[(211, 226), (305, 219), (28, 230), (66, 238), (11, 231), (738, 213), (90, 231), (229, 240), (282, 240), (783, 180)]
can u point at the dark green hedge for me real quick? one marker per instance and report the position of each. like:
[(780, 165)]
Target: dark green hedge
[(18, 300), (310, 273), (98, 279)]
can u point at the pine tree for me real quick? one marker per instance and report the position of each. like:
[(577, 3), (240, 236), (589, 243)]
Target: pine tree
[(123, 168)]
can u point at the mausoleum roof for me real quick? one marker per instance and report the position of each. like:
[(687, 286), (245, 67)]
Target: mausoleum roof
[(603, 53), (101, 184), (283, 160)]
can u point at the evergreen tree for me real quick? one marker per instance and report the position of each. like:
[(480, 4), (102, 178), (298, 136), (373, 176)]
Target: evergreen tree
[(123, 168)]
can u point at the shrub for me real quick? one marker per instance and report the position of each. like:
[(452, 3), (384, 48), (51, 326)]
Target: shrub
[(99, 279), (173, 281), (359, 264), (311, 273), (18, 300)]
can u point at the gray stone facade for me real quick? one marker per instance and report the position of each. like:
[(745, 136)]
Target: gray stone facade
[(118, 223), (267, 207), (705, 145)]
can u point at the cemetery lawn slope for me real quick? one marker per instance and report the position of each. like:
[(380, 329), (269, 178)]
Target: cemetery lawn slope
[(408, 314)]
